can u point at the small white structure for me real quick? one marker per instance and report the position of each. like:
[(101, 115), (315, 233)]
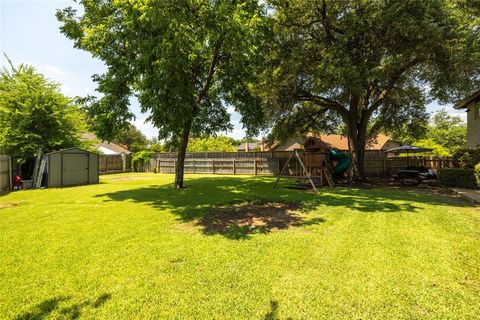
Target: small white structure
[(106, 148)]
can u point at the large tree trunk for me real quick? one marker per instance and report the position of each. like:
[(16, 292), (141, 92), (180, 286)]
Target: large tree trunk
[(182, 150), (358, 154), (357, 142)]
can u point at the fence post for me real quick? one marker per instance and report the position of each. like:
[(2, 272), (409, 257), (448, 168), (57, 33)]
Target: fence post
[(10, 172), (124, 162), (193, 165), (234, 167), (255, 165), (384, 165)]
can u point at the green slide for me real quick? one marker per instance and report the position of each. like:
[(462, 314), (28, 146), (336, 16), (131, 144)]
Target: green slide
[(343, 163)]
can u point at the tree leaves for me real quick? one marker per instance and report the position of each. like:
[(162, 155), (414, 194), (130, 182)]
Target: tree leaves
[(183, 60), (34, 114)]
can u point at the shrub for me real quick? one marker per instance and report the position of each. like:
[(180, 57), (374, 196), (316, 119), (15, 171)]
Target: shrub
[(459, 178), (140, 158), (467, 158), (477, 174)]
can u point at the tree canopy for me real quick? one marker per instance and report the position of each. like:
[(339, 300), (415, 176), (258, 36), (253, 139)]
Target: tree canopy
[(371, 65), (35, 114), (212, 144), (131, 138), (446, 134), (186, 61), (448, 131)]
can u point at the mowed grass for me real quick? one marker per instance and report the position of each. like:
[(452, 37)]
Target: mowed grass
[(133, 248)]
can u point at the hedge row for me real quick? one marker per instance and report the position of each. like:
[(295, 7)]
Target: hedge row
[(459, 178), (477, 174), (467, 158)]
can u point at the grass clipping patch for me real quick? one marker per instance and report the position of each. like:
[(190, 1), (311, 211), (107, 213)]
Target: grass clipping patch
[(242, 219)]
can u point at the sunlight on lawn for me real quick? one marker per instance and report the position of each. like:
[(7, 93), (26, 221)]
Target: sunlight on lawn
[(233, 248)]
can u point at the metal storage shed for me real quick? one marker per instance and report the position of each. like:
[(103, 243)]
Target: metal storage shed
[(71, 167)]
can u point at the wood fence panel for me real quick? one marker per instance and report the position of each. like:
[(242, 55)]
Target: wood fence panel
[(5, 173), (109, 164), (377, 164)]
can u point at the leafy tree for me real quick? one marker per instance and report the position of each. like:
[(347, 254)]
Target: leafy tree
[(131, 138), (155, 145), (34, 114), (448, 131), (366, 63), (219, 144), (184, 60), (437, 149)]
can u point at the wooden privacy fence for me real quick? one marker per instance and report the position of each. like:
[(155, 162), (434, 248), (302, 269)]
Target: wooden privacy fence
[(109, 164), (377, 164), (5, 173), (250, 163)]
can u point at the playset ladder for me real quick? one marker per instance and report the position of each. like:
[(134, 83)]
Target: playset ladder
[(329, 177)]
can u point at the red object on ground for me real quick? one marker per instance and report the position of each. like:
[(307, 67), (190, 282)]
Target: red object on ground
[(17, 183)]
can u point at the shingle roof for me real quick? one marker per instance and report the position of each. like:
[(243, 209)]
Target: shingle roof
[(328, 141), (465, 102), (251, 146), (99, 145)]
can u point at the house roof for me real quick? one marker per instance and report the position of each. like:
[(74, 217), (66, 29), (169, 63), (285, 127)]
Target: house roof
[(251, 146), (328, 141), (104, 147), (465, 102)]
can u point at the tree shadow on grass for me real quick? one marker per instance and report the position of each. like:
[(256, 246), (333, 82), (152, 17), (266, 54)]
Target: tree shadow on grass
[(72, 311), (212, 203), (273, 313)]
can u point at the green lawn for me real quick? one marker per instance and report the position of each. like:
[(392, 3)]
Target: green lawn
[(133, 248)]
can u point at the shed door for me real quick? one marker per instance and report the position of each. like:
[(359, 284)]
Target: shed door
[(75, 169)]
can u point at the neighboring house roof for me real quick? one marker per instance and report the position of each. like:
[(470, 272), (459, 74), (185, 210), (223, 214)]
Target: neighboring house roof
[(465, 102), (107, 148), (329, 141), (250, 146)]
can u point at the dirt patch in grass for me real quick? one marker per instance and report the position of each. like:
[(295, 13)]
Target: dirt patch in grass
[(240, 220), (4, 205)]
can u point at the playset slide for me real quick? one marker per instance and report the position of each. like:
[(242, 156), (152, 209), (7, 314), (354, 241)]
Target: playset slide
[(343, 163)]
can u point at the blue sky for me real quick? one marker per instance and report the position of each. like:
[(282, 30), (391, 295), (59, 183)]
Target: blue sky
[(29, 34)]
